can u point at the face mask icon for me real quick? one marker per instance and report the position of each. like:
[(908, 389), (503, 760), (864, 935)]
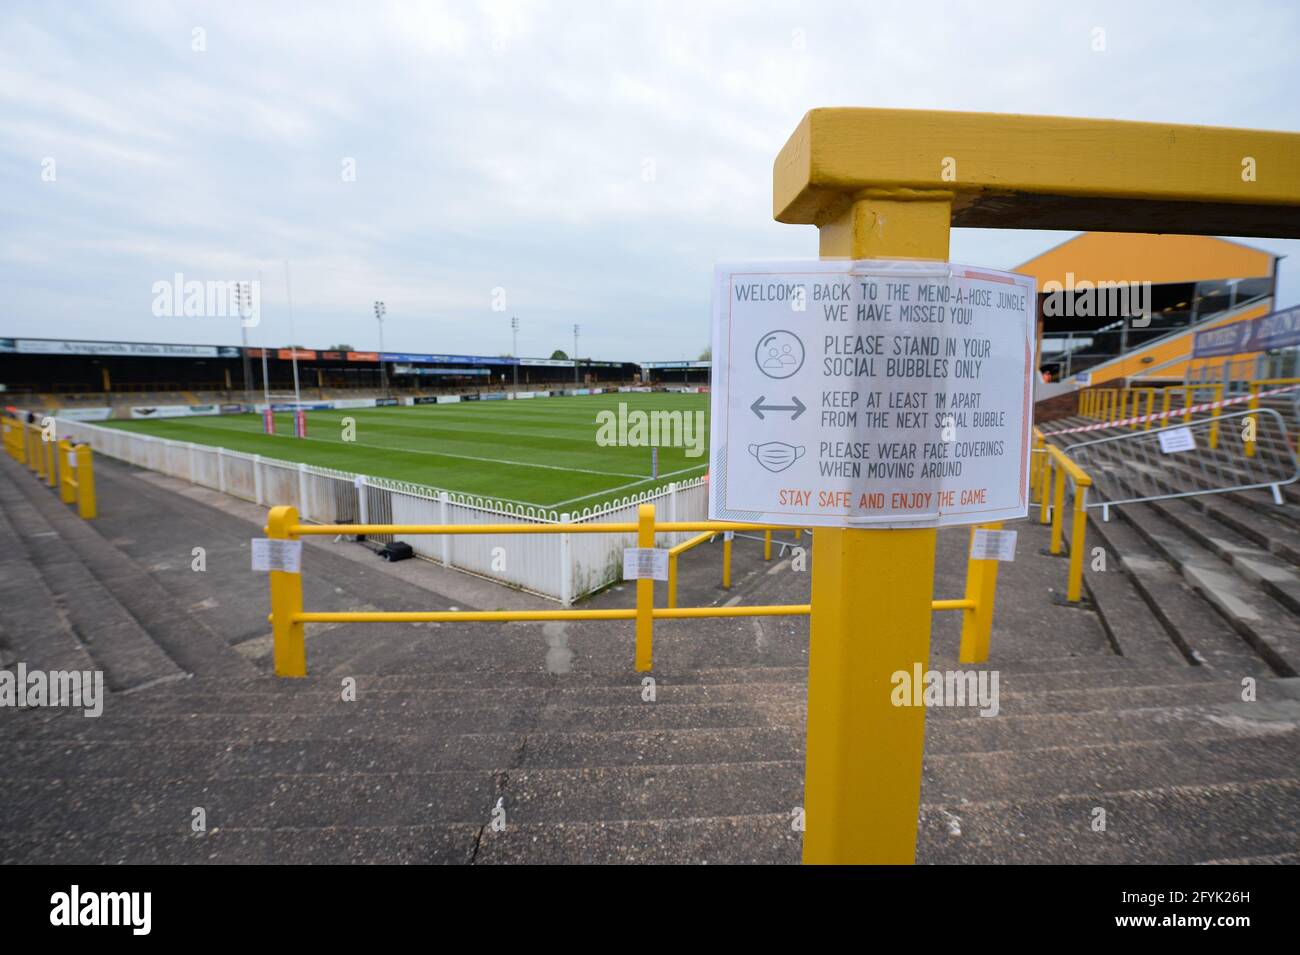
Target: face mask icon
[(776, 456)]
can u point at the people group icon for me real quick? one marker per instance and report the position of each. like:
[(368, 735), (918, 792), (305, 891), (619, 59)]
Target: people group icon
[(777, 361), (779, 354)]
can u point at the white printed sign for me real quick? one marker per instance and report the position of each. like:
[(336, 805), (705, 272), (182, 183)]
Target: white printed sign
[(871, 393), (273, 554), (992, 545), (1177, 439), (642, 562)]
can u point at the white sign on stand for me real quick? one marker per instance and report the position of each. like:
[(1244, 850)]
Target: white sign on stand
[(1177, 439), (873, 393)]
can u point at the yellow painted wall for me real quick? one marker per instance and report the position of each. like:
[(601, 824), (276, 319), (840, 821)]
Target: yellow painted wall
[(1131, 364), (1142, 257)]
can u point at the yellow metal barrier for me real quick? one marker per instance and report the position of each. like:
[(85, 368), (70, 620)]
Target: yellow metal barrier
[(60, 464), (287, 615), (1054, 461), (707, 536)]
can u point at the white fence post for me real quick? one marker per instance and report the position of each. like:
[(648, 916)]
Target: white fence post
[(443, 519), (302, 491), (363, 515), (566, 568), (672, 511), (221, 470), (193, 470), (257, 479)]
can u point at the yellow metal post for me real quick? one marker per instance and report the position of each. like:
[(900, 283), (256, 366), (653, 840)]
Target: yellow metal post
[(1045, 491), (87, 507), (1253, 405), (726, 561), (1134, 413), (67, 473), (645, 593), (1187, 404), (1074, 585), (37, 453), (1214, 415), (672, 579), (51, 460), (290, 645), (1164, 405), (767, 544), (871, 593), (981, 587), (1058, 510), (1151, 404)]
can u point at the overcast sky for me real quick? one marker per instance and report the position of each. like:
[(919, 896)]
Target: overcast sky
[(591, 159)]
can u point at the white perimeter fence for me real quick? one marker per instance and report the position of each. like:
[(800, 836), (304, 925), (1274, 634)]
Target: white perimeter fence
[(562, 567)]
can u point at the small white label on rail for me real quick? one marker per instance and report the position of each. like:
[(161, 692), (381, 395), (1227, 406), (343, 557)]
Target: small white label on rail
[(1177, 439), (992, 545), (269, 554), (642, 562)]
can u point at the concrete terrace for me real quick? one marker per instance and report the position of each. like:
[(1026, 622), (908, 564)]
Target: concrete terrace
[(1134, 706)]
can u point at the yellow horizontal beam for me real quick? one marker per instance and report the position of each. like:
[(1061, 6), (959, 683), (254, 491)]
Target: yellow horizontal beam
[(1062, 460), (959, 604), (509, 616), (692, 543), (1043, 172), (512, 616)]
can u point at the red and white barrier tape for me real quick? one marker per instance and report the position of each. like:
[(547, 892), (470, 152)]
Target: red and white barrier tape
[(1172, 413)]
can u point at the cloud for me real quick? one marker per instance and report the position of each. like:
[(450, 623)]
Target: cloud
[(593, 161)]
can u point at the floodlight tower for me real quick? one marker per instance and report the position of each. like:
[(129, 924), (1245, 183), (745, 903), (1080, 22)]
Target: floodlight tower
[(244, 307), (380, 311), (514, 350), (576, 329)]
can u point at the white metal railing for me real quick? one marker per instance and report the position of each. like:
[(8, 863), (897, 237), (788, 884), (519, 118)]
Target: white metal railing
[(562, 567)]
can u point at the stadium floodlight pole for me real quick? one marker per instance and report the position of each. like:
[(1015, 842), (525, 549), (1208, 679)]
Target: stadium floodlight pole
[(514, 349), (293, 344), (266, 380), (380, 311), (576, 329), (244, 294)]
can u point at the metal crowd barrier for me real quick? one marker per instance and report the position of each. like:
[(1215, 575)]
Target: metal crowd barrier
[(58, 463), (288, 617)]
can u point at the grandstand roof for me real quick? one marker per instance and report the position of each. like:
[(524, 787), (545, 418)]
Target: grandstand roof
[(1146, 257)]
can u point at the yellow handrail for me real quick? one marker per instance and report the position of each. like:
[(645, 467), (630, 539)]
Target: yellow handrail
[(59, 463), (1056, 460), (288, 617)]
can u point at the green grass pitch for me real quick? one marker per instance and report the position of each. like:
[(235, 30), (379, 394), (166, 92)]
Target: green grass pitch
[(540, 451)]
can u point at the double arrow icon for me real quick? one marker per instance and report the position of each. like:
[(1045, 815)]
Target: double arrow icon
[(758, 407)]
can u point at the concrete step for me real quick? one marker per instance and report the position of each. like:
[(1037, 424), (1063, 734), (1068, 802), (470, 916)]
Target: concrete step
[(1277, 577), (1149, 825), (111, 636), (33, 630), (453, 843), (1143, 764), (184, 636), (1275, 535), (1199, 633), (1131, 626), (1267, 627)]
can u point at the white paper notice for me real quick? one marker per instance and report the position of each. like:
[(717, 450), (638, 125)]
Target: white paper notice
[(992, 545), (642, 562), (1177, 439), (269, 554), (870, 393)]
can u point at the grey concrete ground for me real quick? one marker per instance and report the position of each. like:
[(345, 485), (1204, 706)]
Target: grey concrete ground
[(537, 742)]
